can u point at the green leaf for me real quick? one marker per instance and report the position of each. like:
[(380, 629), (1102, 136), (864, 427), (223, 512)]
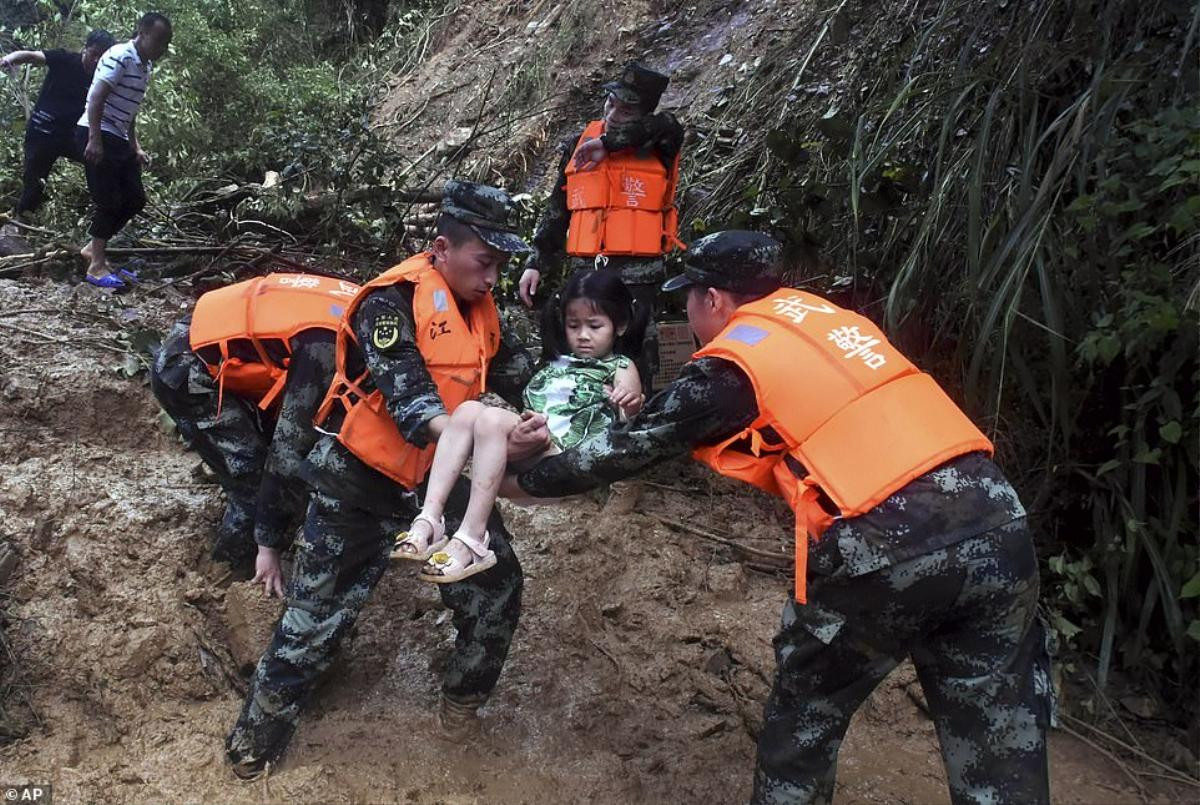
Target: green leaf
[(1083, 202), (836, 127), (1091, 585), (1192, 588), (1139, 231), (1068, 630), (1148, 456), (1108, 347), (1165, 167), (1171, 432), (1193, 630), (1108, 466)]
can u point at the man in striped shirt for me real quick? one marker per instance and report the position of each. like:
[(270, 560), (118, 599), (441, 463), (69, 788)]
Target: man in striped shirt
[(108, 138)]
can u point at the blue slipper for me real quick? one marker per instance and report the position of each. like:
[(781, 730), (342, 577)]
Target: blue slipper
[(111, 281), (127, 274)]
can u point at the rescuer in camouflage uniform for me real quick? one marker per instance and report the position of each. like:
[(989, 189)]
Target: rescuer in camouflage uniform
[(636, 94), (255, 455), (943, 571), (356, 513)]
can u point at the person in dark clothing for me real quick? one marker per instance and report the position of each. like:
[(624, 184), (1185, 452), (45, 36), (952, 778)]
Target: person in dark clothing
[(253, 441), (50, 133), (417, 342)]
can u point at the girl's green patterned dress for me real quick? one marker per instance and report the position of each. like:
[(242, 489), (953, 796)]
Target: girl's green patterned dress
[(570, 392)]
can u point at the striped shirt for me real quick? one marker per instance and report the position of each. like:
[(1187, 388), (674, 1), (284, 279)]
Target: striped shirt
[(128, 76)]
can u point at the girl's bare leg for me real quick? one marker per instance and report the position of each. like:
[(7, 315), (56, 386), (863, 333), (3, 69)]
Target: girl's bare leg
[(488, 463), (453, 449)]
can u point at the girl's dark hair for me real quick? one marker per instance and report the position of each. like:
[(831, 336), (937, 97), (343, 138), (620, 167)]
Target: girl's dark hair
[(604, 289)]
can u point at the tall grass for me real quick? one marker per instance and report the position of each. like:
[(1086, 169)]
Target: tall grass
[(1013, 190)]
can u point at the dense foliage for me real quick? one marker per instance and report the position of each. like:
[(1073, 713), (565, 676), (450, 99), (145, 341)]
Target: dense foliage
[(247, 88), (1013, 189)]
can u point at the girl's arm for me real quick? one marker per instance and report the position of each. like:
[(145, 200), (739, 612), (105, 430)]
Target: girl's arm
[(626, 392)]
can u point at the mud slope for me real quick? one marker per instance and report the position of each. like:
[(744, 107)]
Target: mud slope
[(638, 673), (514, 78)]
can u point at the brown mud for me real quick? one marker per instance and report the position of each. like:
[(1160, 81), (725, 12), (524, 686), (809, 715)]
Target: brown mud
[(638, 673)]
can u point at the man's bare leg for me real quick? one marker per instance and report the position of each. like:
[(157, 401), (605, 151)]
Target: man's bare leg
[(96, 255)]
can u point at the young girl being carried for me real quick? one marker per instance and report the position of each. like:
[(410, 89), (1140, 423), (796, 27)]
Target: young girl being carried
[(586, 382)]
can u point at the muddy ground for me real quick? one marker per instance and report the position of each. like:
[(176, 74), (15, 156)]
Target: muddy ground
[(638, 673)]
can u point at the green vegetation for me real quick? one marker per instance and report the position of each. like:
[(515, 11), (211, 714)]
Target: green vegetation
[(247, 88), (1014, 191)]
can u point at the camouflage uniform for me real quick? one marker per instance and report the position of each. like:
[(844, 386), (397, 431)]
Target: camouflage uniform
[(943, 571), (353, 519), (256, 456), (663, 134)]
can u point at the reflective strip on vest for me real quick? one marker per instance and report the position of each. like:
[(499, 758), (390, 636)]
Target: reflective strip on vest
[(625, 206), (456, 355), (276, 307), (847, 407)]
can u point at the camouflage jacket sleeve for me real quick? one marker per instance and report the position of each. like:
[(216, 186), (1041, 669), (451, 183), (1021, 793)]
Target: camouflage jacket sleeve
[(710, 401), (511, 368), (282, 492), (384, 326), (660, 132), (550, 235)]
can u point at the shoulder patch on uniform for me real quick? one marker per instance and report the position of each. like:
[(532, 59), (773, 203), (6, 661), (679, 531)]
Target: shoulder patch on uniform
[(747, 334), (386, 332), (440, 303)]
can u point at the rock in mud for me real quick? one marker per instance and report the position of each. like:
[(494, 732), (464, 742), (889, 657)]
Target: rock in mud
[(727, 582), (145, 646), (251, 619)]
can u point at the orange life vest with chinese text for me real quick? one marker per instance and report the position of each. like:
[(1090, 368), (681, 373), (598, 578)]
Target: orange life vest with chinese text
[(271, 308), (456, 352), (842, 415), (623, 207)]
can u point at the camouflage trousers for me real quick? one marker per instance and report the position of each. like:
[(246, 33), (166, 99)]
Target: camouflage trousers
[(966, 614), (340, 557), (644, 277), (231, 438)]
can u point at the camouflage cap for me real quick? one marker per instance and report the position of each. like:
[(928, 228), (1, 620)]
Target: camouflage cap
[(489, 211), (735, 260), (639, 84)]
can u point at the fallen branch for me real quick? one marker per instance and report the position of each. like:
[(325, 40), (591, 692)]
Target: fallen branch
[(782, 560), (1172, 773), (1141, 789)]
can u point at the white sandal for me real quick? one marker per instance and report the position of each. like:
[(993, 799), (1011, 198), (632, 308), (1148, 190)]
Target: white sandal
[(408, 545), (442, 568)]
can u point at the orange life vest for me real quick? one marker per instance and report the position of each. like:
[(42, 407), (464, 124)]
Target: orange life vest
[(853, 420), (456, 355), (624, 206), (271, 308)]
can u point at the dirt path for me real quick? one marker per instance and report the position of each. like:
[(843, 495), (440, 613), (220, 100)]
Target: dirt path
[(638, 674)]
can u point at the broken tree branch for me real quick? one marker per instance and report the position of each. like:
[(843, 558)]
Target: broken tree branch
[(782, 560)]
